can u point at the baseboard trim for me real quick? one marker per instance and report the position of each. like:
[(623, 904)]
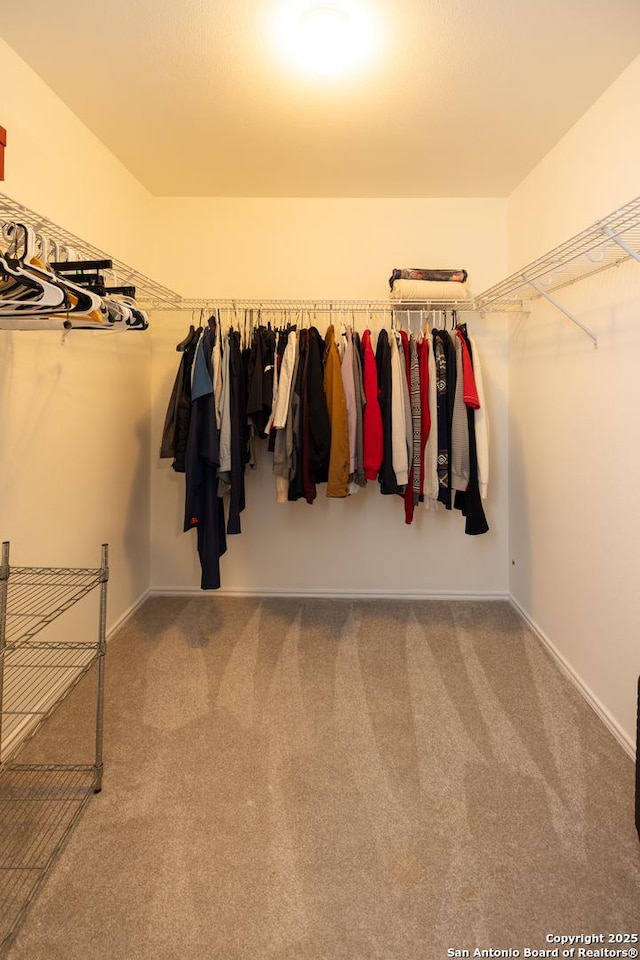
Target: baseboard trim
[(327, 594), (612, 725), (128, 613)]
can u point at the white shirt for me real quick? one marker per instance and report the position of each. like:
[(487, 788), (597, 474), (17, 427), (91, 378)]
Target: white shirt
[(400, 459)]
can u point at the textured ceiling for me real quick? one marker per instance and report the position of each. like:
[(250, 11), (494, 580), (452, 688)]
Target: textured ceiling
[(462, 98)]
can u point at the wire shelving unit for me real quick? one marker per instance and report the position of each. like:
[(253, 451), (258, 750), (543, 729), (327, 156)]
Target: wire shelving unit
[(41, 802)]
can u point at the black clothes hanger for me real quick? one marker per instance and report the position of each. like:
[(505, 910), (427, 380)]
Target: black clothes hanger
[(459, 326), (188, 340)]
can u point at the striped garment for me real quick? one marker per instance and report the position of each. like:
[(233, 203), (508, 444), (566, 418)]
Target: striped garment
[(416, 419)]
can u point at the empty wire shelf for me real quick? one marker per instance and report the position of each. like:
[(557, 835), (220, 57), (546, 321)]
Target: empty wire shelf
[(38, 595), (39, 807)]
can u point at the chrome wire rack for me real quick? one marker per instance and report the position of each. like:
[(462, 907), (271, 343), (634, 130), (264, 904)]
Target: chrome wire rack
[(39, 806), (41, 802)]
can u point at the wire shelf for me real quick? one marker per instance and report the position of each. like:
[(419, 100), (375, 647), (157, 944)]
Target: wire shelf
[(325, 306), (39, 803), (38, 595), (607, 242), (39, 806), (37, 678), (604, 244), (149, 293)]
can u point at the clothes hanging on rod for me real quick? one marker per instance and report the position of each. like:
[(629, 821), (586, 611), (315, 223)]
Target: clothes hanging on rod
[(312, 426), (372, 428), (359, 478), (332, 412), (203, 507), (176, 423), (339, 448)]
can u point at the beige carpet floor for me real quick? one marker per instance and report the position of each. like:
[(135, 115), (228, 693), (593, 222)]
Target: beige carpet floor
[(337, 780)]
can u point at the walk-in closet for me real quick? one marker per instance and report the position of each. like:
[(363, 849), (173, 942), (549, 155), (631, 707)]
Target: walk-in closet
[(319, 339)]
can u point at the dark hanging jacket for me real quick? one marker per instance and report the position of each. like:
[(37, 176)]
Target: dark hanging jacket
[(469, 501), (176, 423), (445, 358), (203, 507), (386, 476), (320, 426), (237, 493), (260, 387), (296, 482)]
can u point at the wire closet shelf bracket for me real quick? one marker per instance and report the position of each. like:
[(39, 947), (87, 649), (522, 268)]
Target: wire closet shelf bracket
[(606, 243)]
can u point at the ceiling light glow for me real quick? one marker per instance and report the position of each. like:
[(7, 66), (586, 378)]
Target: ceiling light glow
[(326, 38)]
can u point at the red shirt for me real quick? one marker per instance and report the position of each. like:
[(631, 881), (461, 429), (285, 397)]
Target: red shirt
[(372, 419), (470, 391)]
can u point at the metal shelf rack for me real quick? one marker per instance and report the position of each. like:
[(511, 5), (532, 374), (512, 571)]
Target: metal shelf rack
[(41, 802)]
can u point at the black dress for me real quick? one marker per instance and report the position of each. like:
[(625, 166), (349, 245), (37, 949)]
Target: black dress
[(386, 476)]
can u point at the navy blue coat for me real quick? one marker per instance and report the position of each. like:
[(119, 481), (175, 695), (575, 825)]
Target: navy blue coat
[(203, 508)]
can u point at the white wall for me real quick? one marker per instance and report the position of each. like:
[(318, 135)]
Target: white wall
[(574, 463), (591, 172), (74, 454), (57, 167), (330, 249), (320, 248), (75, 441)]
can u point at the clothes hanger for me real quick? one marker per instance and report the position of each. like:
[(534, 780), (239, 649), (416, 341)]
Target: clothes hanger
[(22, 292), (138, 319), (43, 248), (22, 241), (188, 340), (462, 327), (76, 302), (343, 328), (26, 289), (27, 296)]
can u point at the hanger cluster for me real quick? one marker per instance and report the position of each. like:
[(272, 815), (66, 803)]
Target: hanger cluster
[(44, 286)]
